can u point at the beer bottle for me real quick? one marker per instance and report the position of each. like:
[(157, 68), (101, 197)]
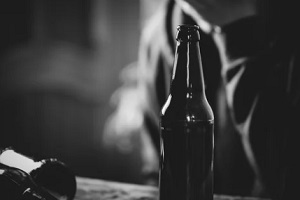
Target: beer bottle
[(186, 126), (50, 174), (16, 184)]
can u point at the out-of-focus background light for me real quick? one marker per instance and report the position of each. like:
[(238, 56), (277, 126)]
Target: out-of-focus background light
[(60, 62)]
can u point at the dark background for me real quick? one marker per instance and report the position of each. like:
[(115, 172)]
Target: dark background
[(60, 62)]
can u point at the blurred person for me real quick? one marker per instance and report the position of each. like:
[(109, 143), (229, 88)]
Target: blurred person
[(250, 54)]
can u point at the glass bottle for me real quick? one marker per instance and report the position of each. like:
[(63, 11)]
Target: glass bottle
[(186, 126), (16, 184), (50, 174)]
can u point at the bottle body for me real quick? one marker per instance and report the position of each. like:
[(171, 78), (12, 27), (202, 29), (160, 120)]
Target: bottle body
[(187, 128), (186, 168), (16, 184)]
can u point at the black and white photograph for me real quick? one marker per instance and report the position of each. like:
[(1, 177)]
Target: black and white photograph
[(149, 100)]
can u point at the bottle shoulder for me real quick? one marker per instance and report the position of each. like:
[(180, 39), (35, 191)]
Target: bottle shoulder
[(195, 108), (47, 175)]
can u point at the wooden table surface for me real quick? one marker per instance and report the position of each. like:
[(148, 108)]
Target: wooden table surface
[(95, 189)]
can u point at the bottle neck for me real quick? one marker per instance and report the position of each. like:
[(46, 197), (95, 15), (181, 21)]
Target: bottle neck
[(187, 75)]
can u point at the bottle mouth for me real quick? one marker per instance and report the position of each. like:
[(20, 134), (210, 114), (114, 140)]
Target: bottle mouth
[(188, 33), (188, 27)]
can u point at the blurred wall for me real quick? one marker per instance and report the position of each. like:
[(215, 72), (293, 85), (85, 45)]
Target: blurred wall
[(59, 64)]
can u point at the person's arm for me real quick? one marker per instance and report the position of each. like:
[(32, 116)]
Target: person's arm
[(260, 80), (211, 14)]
